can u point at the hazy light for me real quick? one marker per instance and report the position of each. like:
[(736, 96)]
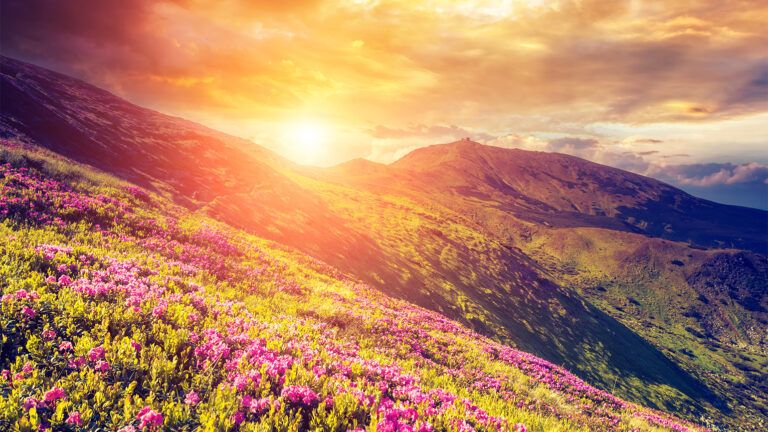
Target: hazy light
[(306, 140)]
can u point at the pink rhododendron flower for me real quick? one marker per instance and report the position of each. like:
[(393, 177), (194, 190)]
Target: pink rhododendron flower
[(65, 346), (192, 398), (77, 362), (136, 346), (149, 418), (65, 280), (101, 366), (238, 418), (56, 393), (31, 402), (51, 279), (49, 334), (300, 395), (74, 419), (29, 312), (96, 353)]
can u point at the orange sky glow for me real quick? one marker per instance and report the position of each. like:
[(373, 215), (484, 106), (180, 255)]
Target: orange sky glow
[(637, 84)]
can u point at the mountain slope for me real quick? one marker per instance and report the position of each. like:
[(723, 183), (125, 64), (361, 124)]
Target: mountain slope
[(566, 191), (468, 263), (115, 317)]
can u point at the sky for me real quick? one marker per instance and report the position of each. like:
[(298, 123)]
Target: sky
[(676, 89)]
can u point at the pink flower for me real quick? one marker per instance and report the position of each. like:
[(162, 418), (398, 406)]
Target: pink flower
[(28, 312), (49, 334), (77, 363), (520, 428), (128, 428), (149, 417), (159, 310), (65, 346), (51, 279), (238, 418), (101, 366), (192, 398), (56, 393), (74, 419), (136, 346), (31, 402), (96, 353), (300, 395), (28, 368), (65, 280), (6, 374)]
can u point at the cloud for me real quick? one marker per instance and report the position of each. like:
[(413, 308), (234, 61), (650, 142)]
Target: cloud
[(425, 131), (577, 61), (573, 144), (707, 175)]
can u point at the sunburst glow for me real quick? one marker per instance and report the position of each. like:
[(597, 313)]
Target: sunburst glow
[(305, 140)]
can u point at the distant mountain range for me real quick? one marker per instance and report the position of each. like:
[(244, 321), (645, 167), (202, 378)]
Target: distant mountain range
[(632, 284)]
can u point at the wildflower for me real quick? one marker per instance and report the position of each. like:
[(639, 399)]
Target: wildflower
[(51, 279), (74, 419), (65, 346), (65, 280), (149, 417), (31, 402), (136, 346), (192, 398), (519, 427), (29, 312), (96, 353), (6, 374), (27, 368), (101, 366), (300, 395), (160, 309), (238, 418), (56, 393), (49, 334), (77, 363)]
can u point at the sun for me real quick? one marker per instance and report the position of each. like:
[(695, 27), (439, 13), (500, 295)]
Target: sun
[(306, 140)]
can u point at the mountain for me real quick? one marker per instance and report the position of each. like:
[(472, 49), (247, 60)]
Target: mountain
[(566, 191), (540, 251)]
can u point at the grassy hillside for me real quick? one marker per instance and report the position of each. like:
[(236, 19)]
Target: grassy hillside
[(704, 308), (124, 311)]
